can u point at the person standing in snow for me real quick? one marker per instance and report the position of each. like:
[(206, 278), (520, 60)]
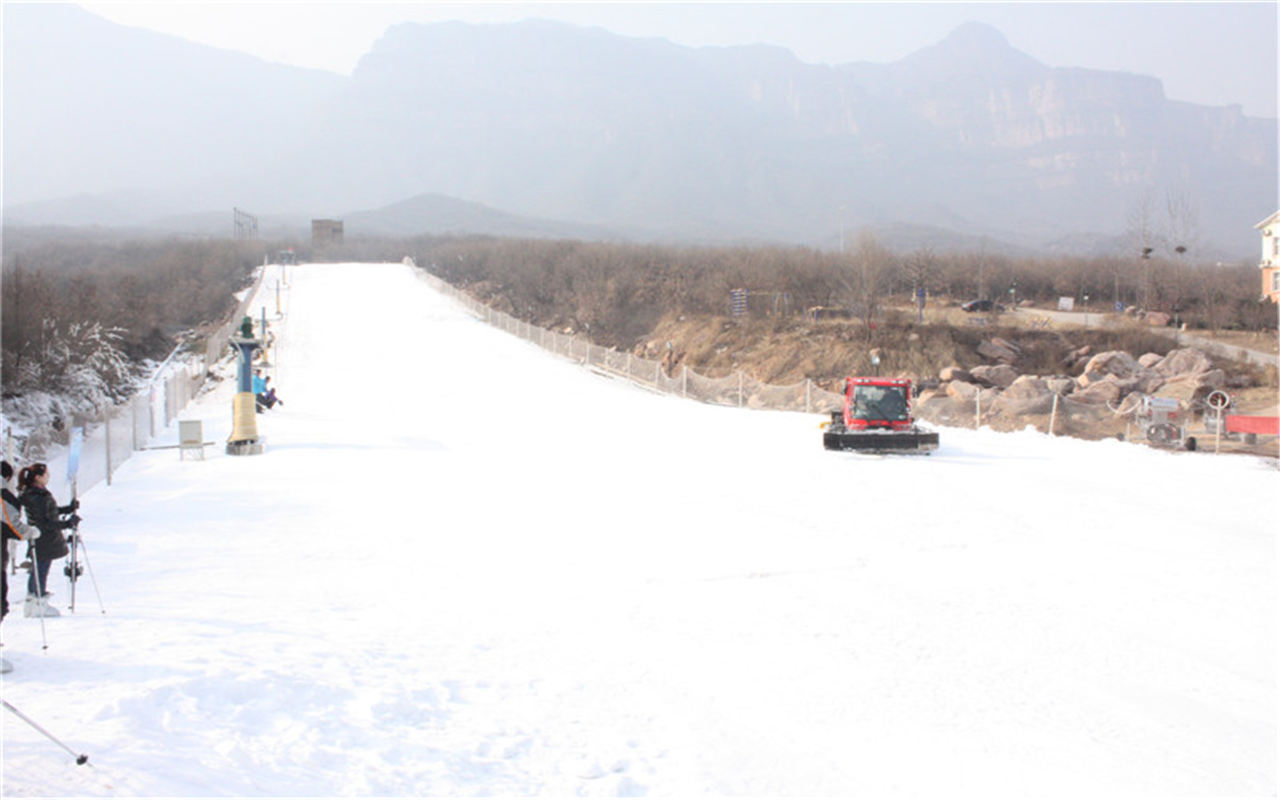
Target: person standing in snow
[(14, 530), (44, 513)]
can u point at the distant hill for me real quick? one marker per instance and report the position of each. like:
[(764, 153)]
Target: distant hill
[(437, 214), (968, 138), (129, 123)]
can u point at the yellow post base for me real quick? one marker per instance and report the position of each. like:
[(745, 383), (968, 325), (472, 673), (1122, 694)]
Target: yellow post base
[(244, 439)]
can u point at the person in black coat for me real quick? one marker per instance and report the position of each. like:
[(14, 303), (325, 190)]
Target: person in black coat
[(44, 513)]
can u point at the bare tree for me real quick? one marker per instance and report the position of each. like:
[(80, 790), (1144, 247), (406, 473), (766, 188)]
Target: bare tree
[(1182, 222), (1142, 236), (919, 269), (869, 275)]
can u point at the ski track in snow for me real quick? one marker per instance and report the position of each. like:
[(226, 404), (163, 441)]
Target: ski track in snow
[(465, 566)]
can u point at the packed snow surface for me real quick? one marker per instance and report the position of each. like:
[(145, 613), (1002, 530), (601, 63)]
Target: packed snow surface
[(465, 566)]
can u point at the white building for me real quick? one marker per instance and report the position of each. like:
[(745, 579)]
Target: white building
[(1270, 264)]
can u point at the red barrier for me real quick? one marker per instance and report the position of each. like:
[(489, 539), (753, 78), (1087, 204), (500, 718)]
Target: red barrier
[(1267, 426)]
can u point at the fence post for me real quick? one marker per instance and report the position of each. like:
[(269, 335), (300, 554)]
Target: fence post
[(977, 410), (1053, 416), (106, 423), (807, 384), (657, 375), (684, 382), (587, 358), (739, 388)]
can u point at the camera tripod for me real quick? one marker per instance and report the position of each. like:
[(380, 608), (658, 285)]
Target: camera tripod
[(72, 570)]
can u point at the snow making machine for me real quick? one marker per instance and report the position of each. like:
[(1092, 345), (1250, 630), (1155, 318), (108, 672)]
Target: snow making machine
[(876, 418)]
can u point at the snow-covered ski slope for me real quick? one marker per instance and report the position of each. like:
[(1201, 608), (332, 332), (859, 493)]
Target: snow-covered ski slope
[(464, 566)]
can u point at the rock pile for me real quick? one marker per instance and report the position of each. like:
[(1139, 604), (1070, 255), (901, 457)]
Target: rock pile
[(1105, 382)]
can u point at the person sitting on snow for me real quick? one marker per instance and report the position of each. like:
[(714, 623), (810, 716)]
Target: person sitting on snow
[(260, 391), (269, 399)]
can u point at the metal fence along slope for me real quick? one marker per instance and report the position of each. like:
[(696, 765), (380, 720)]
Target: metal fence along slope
[(114, 435), (738, 389), (1057, 415)]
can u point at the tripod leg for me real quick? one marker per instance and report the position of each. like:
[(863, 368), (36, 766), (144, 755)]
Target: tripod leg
[(92, 579), (75, 543)]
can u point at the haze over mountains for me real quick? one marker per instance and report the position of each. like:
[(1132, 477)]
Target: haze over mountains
[(567, 131)]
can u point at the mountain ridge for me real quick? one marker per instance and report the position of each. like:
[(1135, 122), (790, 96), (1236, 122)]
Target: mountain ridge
[(644, 137)]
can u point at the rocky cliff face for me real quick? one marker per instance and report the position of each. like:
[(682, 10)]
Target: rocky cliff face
[(734, 142), (654, 139)]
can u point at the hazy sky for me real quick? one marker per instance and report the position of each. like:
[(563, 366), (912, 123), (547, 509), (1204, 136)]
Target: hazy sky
[(1212, 53)]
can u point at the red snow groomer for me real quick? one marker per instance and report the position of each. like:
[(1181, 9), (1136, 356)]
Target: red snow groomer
[(876, 418)]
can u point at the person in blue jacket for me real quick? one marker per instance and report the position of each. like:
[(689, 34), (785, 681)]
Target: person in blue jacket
[(260, 391)]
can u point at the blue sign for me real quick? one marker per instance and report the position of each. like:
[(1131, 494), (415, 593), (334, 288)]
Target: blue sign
[(73, 456)]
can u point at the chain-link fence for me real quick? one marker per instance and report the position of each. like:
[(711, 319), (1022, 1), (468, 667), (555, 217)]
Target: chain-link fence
[(114, 435), (970, 406), (737, 389)]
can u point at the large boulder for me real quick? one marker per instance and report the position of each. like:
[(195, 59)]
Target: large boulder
[(1089, 378), (954, 374), (1149, 360), (995, 352), (1073, 359), (1113, 362), (998, 375), (1102, 392), (1006, 344), (1028, 395), (1147, 381), (1027, 387), (962, 391), (1193, 387), (1060, 385), (1186, 361), (1214, 378)]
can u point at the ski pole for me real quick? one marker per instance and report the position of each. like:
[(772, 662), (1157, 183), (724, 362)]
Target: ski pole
[(35, 570), (80, 759)]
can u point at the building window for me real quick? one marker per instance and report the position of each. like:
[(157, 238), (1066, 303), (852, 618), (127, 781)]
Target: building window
[(1275, 281)]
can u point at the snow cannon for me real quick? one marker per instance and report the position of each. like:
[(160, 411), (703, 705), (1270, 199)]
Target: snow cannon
[(876, 418), (244, 439)]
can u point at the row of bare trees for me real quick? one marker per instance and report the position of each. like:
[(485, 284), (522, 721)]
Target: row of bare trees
[(619, 290), (133, 297), (79, 316)]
